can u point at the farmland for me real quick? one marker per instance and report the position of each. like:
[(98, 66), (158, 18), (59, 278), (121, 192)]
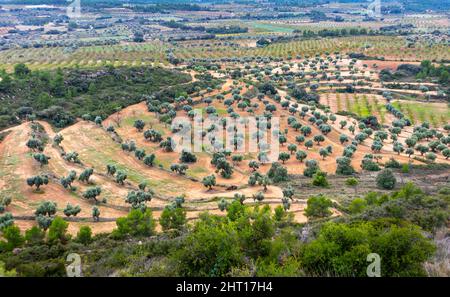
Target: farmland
[(207, 141), (153, 53), (96, 149)]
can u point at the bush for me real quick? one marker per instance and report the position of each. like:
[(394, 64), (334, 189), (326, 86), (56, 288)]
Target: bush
[(173, 217), (392, 163), (357, 206), (341, 250), (318, 207), (6, 220), (278, 173), (352, 182), (311, 168), (344, 166), (13, 238), (136, 223), (58, 231), (212, 249), (187, 157), (320, 179), (386, 179), (5, 273), (369, 165), (34, 236), (409, 203), (84, 235)]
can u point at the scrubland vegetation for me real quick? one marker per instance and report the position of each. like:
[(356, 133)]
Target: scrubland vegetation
[(247, 241)]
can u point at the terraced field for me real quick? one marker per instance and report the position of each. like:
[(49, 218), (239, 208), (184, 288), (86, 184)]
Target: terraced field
[(151, 53), (98, 147), (438, 114), (93, 56)]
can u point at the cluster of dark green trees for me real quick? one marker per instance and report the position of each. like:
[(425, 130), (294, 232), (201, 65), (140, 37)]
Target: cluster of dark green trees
[(210, 30), (442, 72), (62, 95), (338, 32), (426, 71)]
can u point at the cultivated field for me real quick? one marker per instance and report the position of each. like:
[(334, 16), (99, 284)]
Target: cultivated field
[(97, 148)]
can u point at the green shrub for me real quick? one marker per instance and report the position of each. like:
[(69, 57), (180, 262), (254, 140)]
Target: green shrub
[(58, 231), (341, 250), (6, 273), (212, 249), (386, 179), (84, 235), (34, 236), (320, 179), (318, 207), (136, 223), (13, 238), (392, 163), (278, 173), (173, 217), (357, 205)]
